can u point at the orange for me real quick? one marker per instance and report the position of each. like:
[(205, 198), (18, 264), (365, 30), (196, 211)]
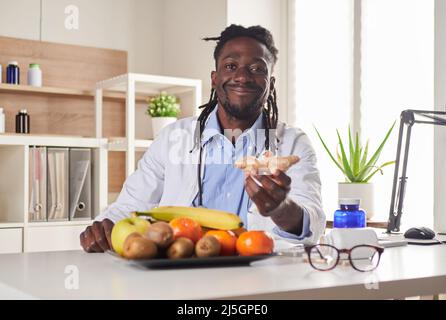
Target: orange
[(253, 243), (186, 227), (227, 241)]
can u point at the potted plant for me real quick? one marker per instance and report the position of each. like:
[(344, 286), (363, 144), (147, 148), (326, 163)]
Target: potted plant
[(164, 109), (357, 168)]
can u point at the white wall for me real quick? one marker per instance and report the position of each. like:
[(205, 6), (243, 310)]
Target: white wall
[(440, 103), (160, 36), (186, 23), (102, 23), (271, 14), (20, 18), (146, 54), (130, 25)]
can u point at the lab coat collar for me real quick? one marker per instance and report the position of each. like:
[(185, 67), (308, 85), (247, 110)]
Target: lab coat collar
[(213, 128)]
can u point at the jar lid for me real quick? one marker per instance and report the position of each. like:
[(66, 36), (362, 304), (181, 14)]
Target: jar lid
[(349, 201), (14, 63), (23, 111), (34, 65)]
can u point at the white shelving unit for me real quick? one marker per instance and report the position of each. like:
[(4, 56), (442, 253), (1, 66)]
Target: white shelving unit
[(133, 85), (17, 234)]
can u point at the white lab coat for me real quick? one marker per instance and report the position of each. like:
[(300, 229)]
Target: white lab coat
[(167, 175)]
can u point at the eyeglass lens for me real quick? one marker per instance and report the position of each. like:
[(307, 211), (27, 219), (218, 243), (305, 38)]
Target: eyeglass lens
[(323, 257), (363, 258)]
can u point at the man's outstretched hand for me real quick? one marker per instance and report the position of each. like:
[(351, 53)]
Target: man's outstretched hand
[(97, 237), (272, 191), (269, 193)]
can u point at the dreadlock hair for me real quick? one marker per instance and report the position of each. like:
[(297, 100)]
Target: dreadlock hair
[(270, 112)]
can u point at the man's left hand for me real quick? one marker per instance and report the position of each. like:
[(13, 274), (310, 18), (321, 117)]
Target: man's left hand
[(272, 191)]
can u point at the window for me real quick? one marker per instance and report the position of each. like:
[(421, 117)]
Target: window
[(396, 72), (323, 79)]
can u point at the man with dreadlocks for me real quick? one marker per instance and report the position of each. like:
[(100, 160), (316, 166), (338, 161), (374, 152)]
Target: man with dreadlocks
[(242, 104)]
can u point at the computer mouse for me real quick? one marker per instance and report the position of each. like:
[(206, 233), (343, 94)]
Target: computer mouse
[(423, 233)]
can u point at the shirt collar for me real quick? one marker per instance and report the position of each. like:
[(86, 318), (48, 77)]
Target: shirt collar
[(213, 128)]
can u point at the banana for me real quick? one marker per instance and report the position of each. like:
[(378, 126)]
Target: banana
[(209, 218)]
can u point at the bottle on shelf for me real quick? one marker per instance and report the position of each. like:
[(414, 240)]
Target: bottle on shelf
[(13, 73), (22, 122), (2, 121), (349, 215), (34, 75)]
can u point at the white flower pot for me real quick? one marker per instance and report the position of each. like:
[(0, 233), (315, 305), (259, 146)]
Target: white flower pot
[(362, 191), (158, 123)]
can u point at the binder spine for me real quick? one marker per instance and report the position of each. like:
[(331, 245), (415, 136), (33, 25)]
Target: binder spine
[(37, 184), (57, 185), (80, 184)]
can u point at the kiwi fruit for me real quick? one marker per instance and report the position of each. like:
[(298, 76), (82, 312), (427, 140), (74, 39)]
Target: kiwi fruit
[(139, 247), (133, 235), (161, 233), (208, 246), (181, 248)]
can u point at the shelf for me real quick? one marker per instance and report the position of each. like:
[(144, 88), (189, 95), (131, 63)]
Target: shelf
[(58, 223), (24, 89), (51, 140), (5, 225), (120, 144), (133, 84), (150, 84)]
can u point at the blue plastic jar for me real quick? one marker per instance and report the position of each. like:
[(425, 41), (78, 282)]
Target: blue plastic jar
[(13, 73), (349, 215)]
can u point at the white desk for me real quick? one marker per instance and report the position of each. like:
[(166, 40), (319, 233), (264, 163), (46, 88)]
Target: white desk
[(403, 271)]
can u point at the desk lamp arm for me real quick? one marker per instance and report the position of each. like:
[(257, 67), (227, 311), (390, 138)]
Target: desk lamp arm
[(399, 183)]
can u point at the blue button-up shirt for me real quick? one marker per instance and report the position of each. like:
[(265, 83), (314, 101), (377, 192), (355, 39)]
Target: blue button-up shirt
[(223, 183)]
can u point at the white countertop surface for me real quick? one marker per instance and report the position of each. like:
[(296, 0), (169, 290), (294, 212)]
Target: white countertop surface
[(404, 271)]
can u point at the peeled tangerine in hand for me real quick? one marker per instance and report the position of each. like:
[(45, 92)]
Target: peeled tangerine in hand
[(267, 164)]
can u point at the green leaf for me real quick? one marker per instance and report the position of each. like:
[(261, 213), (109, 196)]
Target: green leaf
[(364, 156), (328, 151), (375, 156), (346, 165), (356, 167), (163, 105), (352, 151), (378, 169), (338, 155), (356, 156)]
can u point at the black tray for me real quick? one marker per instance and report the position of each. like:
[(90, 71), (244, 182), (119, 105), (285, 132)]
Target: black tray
[(194, 262)]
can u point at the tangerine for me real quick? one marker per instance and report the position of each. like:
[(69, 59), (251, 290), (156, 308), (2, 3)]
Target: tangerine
[(187, 228), (227, 241), (255, 242)]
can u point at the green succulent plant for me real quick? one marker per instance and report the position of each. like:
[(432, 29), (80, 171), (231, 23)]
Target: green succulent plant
[(355, 165), (163, 105)]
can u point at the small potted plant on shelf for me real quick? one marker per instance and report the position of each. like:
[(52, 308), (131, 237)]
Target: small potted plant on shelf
[(358, 169), (164, 109)]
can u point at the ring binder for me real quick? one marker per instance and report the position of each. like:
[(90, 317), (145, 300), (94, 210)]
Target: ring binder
[(80, 184), (57, 187), (37, 184)]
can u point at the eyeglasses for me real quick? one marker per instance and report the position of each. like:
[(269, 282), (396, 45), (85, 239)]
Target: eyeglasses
[(326, 257)]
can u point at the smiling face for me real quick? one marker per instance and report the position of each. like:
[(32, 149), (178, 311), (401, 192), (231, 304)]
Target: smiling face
[(243, 77)]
